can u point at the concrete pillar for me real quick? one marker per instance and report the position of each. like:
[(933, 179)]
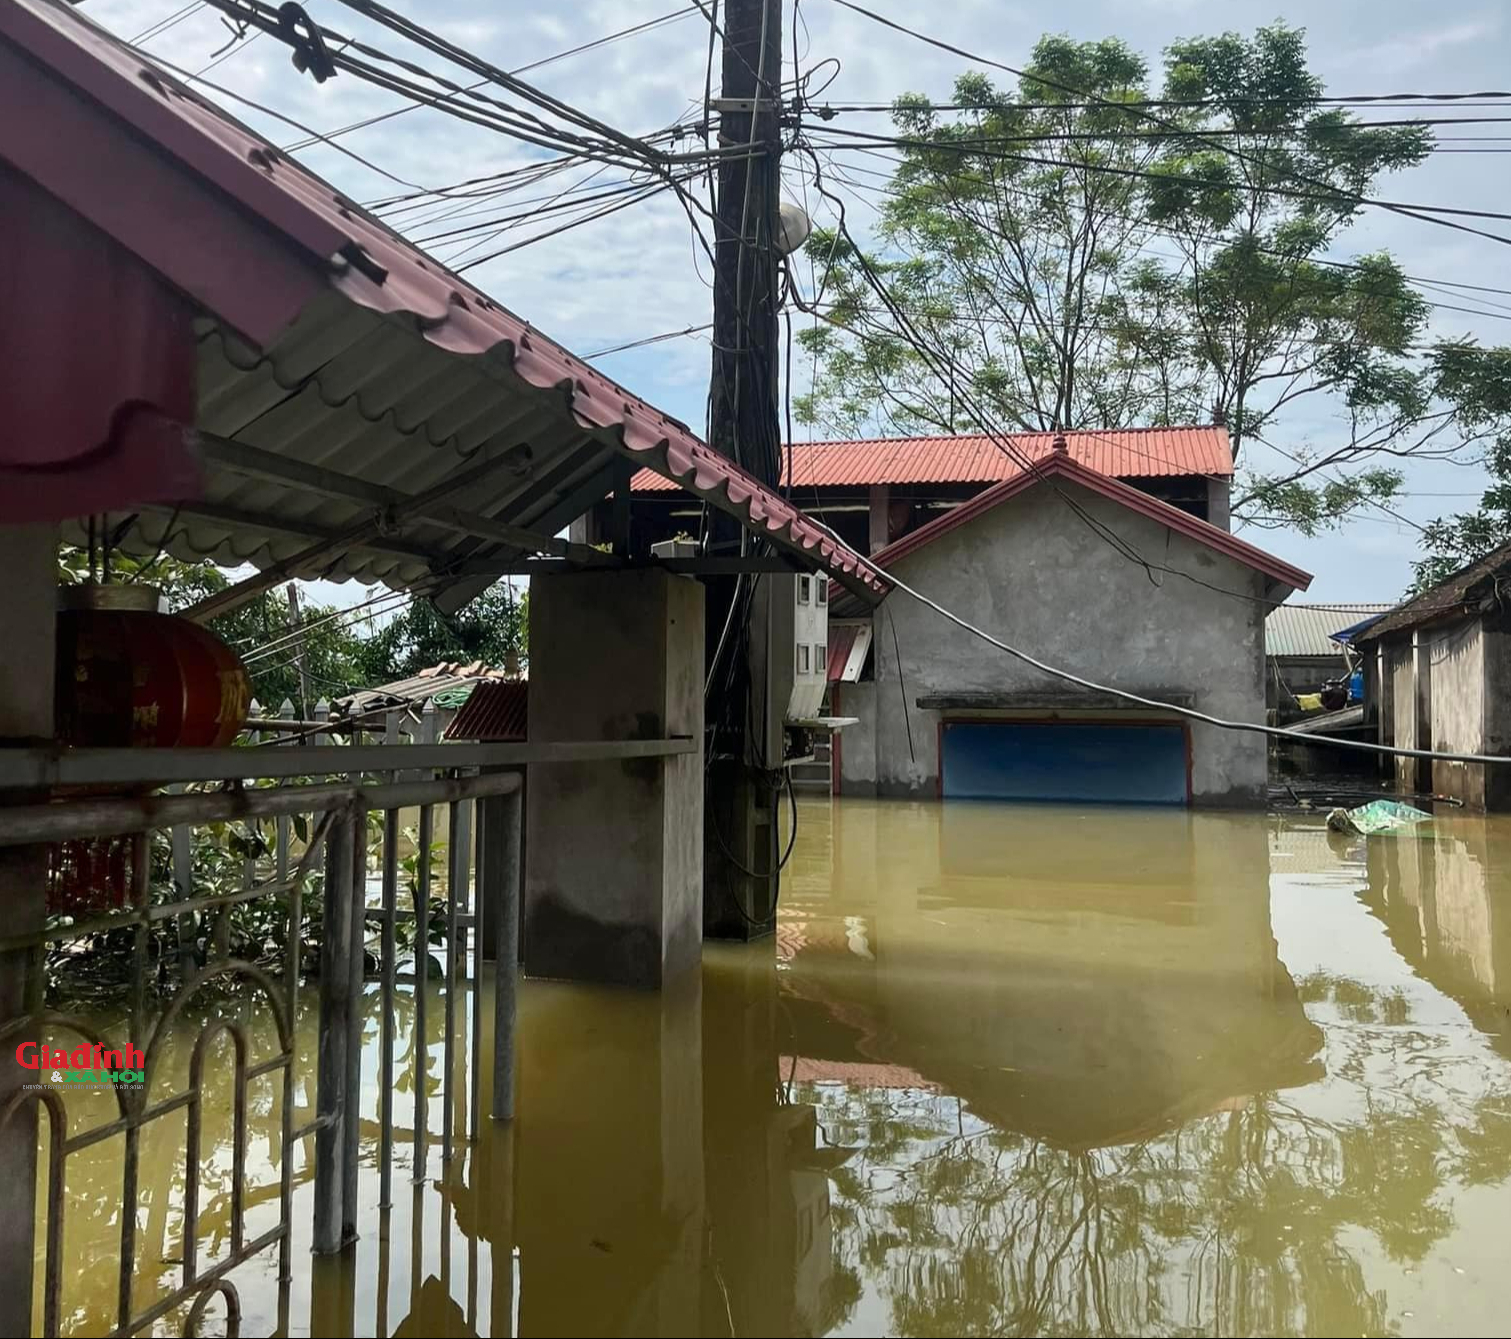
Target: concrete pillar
[(881, 526), (614, 879), (29, 559)]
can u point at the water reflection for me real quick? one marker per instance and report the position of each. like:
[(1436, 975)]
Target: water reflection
[(1002, 1071)]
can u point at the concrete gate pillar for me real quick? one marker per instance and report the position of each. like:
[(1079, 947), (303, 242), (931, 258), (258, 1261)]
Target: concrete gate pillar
[(614, 883)]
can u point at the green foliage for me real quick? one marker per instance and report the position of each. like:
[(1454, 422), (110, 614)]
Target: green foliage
[(1452, 542), (222, 856), (1090, 267), (492, 628), (338, 659)]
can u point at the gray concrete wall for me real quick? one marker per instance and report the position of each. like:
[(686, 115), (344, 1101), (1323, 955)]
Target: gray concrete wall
[(1219, 511), (1031, 572), (1400, 669), (857, 743), (1456, 669), (614, 883)]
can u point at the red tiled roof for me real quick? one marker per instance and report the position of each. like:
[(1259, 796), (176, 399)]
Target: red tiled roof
[(497, 712), (1060, 464), (1122, 453), (254, 239)]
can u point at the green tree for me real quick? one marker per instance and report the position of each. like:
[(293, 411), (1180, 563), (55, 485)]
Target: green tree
[(337, 658), (492, 628), (1482, 378), (1082, 263)]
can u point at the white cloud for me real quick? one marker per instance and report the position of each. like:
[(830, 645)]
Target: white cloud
[(1413, 50)]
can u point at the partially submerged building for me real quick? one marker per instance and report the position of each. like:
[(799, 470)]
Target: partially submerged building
[(1086, 572), (1438, 676), (1303, 646)]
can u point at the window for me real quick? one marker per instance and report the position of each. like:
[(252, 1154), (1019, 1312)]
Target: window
[(820, 658), (802, 657), (804, 585), (823, 591)]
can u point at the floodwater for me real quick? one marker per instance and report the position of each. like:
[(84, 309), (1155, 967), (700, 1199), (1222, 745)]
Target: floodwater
[(1002, 1071)]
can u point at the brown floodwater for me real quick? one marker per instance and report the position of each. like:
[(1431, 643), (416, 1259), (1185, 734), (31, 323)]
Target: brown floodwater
[(1003, 1070)]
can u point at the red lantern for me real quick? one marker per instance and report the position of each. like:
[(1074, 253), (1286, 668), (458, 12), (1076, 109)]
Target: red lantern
[(129, 675)]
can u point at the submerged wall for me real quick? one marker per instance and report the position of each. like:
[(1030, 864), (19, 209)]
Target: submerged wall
[(1450, 691)]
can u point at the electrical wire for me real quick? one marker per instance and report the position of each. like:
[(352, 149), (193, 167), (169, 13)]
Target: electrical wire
[(1407, 211), (1220, 241), (1363, 500), (647, 25), (649, 339), (1247, 727), (163, 25), (1035, 469), (1335, 198)]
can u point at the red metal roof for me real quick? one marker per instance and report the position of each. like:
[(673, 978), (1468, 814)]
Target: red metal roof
[(1122, 453), (254, 239), (496, 712), (1060, 464), (841, 640)]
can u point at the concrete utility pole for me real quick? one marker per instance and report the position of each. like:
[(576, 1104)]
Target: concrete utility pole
[(743, 414), (740, 852)]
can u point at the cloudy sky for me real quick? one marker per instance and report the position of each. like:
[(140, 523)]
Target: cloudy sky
[(637, 273)]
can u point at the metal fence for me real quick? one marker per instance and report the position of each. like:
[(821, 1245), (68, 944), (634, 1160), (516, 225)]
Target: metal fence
[(351, 833)]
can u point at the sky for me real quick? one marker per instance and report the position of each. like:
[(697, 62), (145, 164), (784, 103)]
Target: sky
[(637, 272)]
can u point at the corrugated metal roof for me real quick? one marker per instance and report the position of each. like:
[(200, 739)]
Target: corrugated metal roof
[(1122, 453), (841, 639), (1448, 597), (1061, 465), (331, 341), (496, 713), (440, 680), (1307, 629)]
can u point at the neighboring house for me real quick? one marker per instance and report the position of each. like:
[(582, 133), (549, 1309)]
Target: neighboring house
[(447, 685), (873, 493), (1053, 562), (1438, 676), (1302, 648)]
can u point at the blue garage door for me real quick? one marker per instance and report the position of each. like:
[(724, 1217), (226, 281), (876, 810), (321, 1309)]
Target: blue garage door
[(1107, 764)]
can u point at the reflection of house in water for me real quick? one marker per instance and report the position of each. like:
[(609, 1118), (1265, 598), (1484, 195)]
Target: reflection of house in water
[(1126, 977), (1447, 909)]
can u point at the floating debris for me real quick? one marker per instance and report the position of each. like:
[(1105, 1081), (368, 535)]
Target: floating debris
[(1377, 817)]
